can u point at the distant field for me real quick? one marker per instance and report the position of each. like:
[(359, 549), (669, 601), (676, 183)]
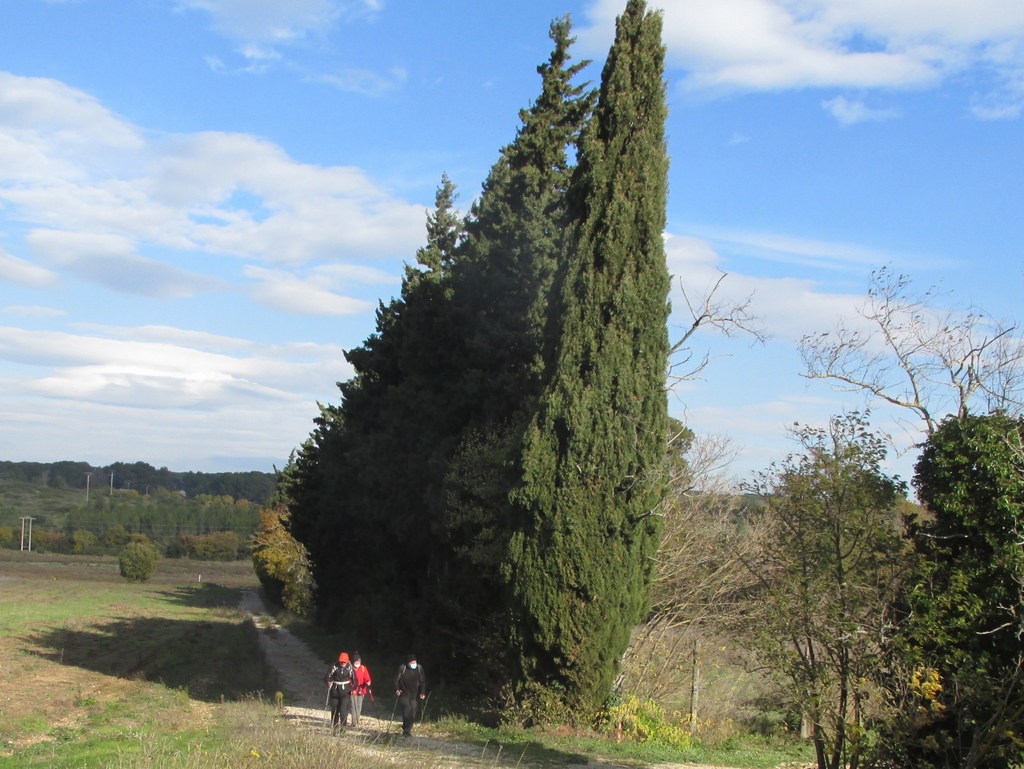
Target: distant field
[(87, 657)]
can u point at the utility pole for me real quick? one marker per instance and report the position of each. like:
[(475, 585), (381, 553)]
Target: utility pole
[(111, 484), (25, 518), (88, 477)]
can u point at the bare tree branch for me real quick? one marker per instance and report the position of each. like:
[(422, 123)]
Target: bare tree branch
[(708, 310), (915, 356)]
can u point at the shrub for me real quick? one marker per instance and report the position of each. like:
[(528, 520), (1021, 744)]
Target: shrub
[(643, 720), (137, 561)]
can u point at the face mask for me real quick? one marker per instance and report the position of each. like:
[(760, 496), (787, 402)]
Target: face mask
[(412, 666), (357, 664)]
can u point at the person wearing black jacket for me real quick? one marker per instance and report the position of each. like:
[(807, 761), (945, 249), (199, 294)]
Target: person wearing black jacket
[(410, 688), (339, 681)]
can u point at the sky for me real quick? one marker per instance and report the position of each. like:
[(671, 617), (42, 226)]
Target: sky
[(203, 201)]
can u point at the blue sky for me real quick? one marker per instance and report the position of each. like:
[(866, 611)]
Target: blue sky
[(202, 201)]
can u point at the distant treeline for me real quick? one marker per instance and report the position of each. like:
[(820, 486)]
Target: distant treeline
[(252, 485)]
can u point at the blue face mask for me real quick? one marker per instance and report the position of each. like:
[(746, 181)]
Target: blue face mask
[(412, 666)]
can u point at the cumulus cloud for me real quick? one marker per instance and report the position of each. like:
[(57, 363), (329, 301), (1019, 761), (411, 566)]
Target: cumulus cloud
[(777, 44), (157, 200)]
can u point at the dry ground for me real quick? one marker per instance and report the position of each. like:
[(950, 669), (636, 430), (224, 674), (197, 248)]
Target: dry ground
[(38, 681), (299, 676)]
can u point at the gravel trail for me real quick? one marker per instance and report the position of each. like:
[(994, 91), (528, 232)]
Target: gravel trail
[(300, 677)]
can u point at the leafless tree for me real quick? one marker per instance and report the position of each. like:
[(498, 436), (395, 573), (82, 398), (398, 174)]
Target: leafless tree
[(710, 310), (699, 580), (908, 352)]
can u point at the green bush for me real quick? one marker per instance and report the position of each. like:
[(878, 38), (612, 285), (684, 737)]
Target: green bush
[(137, 561)]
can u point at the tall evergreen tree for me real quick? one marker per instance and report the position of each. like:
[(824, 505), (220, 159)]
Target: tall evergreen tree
[(502, 288), (360, 481), (593, 456)]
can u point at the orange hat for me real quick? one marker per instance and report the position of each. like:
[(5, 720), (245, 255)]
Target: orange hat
[(343, 657)]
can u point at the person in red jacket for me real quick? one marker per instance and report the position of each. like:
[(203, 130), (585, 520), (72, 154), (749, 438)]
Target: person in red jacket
[(361, 683)]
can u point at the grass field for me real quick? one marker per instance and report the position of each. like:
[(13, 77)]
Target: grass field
[(97, 672)]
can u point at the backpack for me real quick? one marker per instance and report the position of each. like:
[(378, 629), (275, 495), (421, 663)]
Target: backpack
[(341, 680)]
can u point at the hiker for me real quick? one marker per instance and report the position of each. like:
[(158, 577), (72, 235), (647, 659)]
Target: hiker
[(339, 679), (410, 687), (361, 683)]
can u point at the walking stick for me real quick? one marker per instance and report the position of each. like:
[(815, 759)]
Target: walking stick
[(327, 709), (393, 709)]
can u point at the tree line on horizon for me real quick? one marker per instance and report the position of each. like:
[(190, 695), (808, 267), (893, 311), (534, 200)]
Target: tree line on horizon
[(253, 485)]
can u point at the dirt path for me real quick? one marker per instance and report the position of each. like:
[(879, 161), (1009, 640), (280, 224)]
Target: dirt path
[(299, 674)]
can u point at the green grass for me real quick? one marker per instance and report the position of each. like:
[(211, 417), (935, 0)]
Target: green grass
[(103, 673), (544, 746)]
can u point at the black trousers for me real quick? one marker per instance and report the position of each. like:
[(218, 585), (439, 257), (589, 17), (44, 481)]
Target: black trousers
[(407, 704), (339, 710)]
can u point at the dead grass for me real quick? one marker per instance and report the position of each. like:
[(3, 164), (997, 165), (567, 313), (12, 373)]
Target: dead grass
[(81, 646)]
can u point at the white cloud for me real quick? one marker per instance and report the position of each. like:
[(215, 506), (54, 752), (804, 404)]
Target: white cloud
[(788, 308), (364, 81), (25, 273), (48, 119), (849, 112), (30, 311), (311, 295), (790, 249), (165, 368), (776, 44), (109, 261), (267, 20), (124, 222), (200, 340)]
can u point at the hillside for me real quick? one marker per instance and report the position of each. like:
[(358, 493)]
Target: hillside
[(253, 485)]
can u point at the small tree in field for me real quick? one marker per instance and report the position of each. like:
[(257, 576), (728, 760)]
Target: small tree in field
[(137, 561), (829, 572)]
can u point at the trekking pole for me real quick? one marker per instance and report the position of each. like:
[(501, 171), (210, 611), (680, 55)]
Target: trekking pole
[(393, 709), (327, 707), (423, 710)]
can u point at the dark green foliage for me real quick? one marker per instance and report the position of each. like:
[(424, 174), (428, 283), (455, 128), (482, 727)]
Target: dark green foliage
[(502, 289), (253, 485), (829, 571), (164, 517), (137, 561), (419, 456), (594, 455), (966, 627), (555, 284), (361, 486)]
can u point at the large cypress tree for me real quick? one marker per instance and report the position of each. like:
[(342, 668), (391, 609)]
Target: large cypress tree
[(361, 480), (502, 286), (593, 456)]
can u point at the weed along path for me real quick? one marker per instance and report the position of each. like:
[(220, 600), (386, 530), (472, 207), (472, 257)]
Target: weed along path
[(300, 674)]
